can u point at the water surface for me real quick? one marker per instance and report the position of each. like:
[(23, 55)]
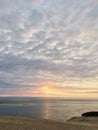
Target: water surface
[(44, 108)]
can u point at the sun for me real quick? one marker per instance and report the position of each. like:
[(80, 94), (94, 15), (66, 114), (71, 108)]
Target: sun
[(46, 89), (49, 89)]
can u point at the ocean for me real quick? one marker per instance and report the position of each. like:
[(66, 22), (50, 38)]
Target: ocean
[(45, 108)]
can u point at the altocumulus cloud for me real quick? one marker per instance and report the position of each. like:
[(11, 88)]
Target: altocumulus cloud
[(47, 40)]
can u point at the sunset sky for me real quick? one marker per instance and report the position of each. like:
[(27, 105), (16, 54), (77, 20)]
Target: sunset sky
[(49, 48)]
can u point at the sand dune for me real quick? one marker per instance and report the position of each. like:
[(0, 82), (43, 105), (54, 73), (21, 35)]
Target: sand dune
[(76, 123)]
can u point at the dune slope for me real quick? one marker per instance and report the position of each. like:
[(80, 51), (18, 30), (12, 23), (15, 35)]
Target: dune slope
[(14, 123)]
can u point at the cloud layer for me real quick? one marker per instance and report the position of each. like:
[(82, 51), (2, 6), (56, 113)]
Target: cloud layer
[(48, 41)]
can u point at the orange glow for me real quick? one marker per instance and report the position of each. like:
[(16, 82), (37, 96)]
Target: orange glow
[(46, 88), (71, 90), (51, 90)]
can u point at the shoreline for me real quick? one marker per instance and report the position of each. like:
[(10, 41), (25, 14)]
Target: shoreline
[(22, 123)]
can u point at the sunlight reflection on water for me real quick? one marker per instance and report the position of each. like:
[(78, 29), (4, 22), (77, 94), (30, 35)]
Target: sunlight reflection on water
[(55, 109)]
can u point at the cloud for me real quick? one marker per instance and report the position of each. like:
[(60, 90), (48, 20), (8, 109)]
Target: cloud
[(41, 41)]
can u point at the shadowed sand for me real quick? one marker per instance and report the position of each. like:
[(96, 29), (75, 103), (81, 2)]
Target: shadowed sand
[(76, 123)]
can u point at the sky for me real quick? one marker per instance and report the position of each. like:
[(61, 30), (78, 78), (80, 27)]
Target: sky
[(49, 48)]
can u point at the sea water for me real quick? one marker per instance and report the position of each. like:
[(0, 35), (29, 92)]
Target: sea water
[(45, 108)]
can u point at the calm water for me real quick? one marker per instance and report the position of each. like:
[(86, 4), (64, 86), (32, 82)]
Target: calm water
[(55, 109)]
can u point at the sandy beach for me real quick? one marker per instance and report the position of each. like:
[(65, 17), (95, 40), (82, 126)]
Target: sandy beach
[(75, 123)]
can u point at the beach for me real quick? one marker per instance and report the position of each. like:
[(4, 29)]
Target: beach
[(75, 123)]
